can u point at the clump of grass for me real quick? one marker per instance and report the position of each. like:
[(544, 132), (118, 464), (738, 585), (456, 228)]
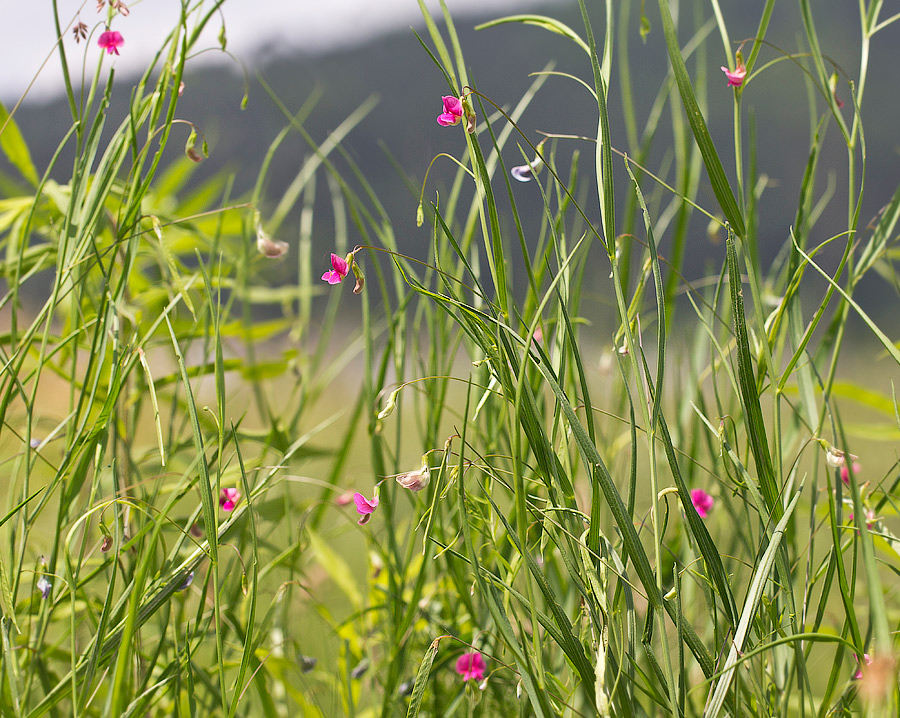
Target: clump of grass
[(673, 524)]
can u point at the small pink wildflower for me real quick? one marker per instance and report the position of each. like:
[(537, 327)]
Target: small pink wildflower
[(471, 665), (111, 41), (339, 270), (845, 472), (702, 502), (453, 111), (364, 507), (868, 660), (228, 499), (870, 518), (344, 499), (736, 76)]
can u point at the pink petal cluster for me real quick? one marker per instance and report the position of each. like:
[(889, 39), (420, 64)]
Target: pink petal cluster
[(339, 270), (870, 518), (471, 666), (228, 498), (845, 472), (453, 111), (365, 507), (702, 502), (111, 41), (736, 76), (868, 660)]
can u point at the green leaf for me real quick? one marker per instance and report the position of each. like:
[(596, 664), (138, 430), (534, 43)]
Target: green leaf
[(546, 23), (720, 185), (13, 145), (421, 679), (336, 567)]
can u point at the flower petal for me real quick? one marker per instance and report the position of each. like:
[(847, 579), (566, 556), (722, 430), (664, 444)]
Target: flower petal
[(339, 264), (364, 505), (452, 105)]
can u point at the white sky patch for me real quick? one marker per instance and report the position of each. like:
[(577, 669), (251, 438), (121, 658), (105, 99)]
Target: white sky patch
[(252, 26)]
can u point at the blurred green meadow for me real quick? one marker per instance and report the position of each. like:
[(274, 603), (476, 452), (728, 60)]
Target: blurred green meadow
[(585, 407)]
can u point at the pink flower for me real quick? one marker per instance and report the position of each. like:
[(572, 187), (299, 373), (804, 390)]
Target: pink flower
[(453, 111), (868, 660), (228, 499), (111, 41), (471, 665), (845, 472), (339, 270), (870, 518), (364, 507), (735, 77), (702, 502), (344, 499)]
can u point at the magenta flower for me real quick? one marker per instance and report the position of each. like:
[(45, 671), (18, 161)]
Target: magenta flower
[(364, 507), (228, 499), (868, 660), (471, 665), (111, 41), (845, 472), (453, 111), (736, 76), (702, 502), (339, 270)]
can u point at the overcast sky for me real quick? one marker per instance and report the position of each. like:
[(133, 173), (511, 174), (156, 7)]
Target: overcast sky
[(252, 26)]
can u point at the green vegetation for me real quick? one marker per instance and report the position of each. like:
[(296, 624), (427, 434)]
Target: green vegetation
[(667, 520)]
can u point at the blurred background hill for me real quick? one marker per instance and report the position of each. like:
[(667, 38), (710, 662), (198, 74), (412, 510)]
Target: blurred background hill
[(395, 143)]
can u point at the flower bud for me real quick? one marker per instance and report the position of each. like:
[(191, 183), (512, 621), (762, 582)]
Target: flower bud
[(391, 404)]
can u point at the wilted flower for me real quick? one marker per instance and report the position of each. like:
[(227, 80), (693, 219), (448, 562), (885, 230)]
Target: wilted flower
[(736, 76), (111, 41), (453, 111), (832, 86), (120, 7), (44, 586), (307, 663), (702, 502), (228, 498), (339, 269), (106, 544), (360, 668), (365, 507), (416, 480), (836, 458), (471, 666), (268, 247), (526, 173)]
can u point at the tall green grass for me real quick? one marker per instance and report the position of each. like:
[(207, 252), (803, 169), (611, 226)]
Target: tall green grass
[(558, 535)]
